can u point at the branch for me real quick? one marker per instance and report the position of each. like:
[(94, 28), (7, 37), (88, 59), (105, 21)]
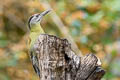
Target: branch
[(58, 62)]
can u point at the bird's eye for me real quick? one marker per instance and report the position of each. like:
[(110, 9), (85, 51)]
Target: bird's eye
[(37, 15)]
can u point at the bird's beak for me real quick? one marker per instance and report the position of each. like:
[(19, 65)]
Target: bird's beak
[(45, 12)]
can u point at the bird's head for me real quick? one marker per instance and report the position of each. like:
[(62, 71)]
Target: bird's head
[(36, 18)]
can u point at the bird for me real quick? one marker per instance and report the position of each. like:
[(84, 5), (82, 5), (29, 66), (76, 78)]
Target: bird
[(35, 30)]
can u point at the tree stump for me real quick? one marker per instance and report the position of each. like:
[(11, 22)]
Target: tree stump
[(57, 61)]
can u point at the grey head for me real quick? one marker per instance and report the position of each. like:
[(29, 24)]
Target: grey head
[(36, 18)]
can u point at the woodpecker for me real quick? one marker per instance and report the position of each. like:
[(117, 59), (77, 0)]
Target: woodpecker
[(35, 30)]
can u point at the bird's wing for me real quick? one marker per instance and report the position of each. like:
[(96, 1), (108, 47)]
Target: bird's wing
[(33, 58), (35, 62)]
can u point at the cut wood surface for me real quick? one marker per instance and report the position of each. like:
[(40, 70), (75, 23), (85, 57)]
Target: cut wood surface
[(57, 61)]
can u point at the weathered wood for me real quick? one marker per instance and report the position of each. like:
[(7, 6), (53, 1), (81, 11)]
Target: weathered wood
[(57, 61), (97, 74)]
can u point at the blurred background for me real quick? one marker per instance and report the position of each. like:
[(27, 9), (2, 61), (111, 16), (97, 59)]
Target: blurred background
[(92, 26)]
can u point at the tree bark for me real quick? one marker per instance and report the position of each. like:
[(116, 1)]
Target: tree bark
[(57, 61)]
